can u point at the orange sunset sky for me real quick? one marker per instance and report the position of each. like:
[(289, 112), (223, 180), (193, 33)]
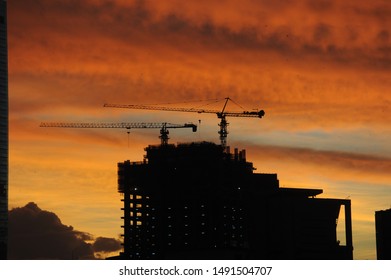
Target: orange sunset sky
[(319, 68)]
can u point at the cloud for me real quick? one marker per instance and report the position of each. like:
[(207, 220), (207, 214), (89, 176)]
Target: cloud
[(308, 64), (295, 54), (106, 245), (333, 164), (39, 234), (86, 32)]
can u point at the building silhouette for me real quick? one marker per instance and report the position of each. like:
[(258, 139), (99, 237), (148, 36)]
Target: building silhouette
[(383, 234), (3, 130), (199, 201)]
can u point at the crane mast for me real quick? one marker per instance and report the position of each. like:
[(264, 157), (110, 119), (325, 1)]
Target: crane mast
[(162, 126), (223, 131)]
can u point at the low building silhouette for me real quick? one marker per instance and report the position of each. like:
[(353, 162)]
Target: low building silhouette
[(199, 201), (383, 234)]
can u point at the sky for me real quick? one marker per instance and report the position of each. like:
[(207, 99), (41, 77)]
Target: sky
[(320, 70)]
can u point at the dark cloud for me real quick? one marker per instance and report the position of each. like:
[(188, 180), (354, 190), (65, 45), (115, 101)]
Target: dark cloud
[(320, 5), (322, 31), (106, 245), (381, 12), (38, 234), (67, 24), (383, 36)]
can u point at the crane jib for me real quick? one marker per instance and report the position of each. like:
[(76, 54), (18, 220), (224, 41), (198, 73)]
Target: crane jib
[(254, 114)]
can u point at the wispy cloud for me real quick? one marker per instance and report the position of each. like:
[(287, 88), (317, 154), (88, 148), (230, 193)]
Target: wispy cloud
[(335, 162)]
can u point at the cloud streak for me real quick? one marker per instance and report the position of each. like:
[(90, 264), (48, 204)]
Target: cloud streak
[(359, 163)]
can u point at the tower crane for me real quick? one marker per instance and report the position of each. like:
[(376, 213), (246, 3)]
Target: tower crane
[(163, 127), (223, 132)]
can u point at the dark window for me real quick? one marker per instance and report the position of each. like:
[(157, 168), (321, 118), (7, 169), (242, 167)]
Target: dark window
[(1, 19)]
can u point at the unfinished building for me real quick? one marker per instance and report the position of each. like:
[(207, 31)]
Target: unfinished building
[(199, 201)]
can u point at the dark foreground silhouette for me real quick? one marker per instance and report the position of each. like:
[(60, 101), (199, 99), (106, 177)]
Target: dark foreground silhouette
[(199, 201)]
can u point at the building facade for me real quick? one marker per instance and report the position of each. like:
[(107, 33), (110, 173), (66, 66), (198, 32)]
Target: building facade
[(199, 201), (383, 234), (3, 130)]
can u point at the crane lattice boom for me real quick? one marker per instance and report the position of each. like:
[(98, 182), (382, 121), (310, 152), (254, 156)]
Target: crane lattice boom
[(126, 125), (251, 114), (163, 126)]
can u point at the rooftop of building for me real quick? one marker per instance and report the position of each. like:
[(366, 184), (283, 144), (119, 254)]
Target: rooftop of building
[(386, 211), (189, 162)]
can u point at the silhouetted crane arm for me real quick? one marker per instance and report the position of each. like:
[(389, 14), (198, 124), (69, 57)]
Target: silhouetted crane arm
[(116, 125), (254, 114), (163, 126), (159, 108)]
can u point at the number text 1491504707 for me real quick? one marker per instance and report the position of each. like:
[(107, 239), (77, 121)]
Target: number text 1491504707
[(242, 270)]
